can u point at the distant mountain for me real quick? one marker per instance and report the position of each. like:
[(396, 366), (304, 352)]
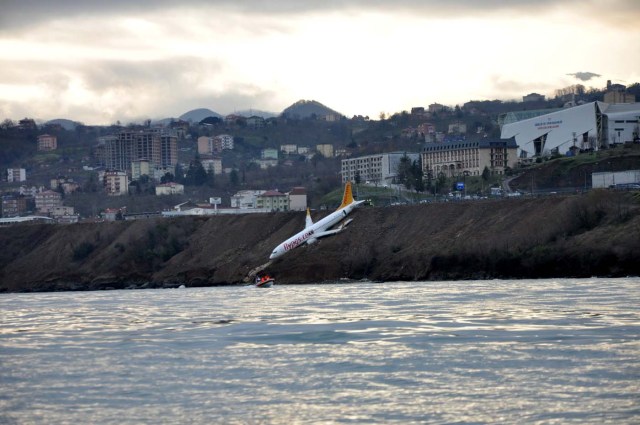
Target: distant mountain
[(256, 113), (64, 123), (198, 115), (308, 108)]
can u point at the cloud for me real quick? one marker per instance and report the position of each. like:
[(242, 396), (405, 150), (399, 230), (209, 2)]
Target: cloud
[(584, 76), (19, 13)]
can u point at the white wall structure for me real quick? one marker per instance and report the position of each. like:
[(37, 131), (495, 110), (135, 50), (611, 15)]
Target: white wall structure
[(377, 169), (613, 179), (590, 126)]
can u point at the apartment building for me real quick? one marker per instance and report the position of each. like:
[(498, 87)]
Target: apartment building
[(116, 183), (47, 201), (208, 145), (16, 175), (376, 169), (212, 165), (325, 150), (273, 200), (13, 205), (456, 157), (160, 149), (47, 142)]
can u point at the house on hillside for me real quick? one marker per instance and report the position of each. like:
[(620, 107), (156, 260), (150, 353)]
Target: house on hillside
[(170, 188), (298, 199), (273, 200)]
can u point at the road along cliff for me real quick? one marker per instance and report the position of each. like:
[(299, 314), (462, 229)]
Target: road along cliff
[(596, 234)]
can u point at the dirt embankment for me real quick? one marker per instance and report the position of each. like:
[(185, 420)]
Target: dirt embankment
[(594, 234)]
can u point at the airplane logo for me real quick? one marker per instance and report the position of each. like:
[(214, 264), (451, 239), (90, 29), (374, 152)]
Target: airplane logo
[(312, 231)]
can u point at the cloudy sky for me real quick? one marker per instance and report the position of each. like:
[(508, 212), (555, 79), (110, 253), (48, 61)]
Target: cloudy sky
[(100, 61)]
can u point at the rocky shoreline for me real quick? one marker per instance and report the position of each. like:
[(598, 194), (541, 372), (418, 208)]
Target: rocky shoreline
[(597, 234)]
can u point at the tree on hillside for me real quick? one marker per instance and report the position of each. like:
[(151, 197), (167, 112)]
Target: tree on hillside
[(486, 174), (179, 174), (233, 177), (196, 174), (409, 174), (403, 172), (167, 178)]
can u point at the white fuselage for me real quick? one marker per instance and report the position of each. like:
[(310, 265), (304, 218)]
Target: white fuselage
[(315, 231)]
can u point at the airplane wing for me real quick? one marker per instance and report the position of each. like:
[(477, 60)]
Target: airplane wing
[(332, 231)]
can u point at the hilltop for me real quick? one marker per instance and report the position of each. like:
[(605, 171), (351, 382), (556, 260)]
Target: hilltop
[(307, 109), (597, 234)]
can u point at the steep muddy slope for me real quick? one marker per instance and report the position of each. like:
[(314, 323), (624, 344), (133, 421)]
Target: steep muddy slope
[(596, 234)]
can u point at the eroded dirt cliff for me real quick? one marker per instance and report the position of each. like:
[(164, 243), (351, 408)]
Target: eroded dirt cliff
[(594, 234)]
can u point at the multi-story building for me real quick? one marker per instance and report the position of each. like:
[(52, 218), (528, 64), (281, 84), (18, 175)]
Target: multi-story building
[(457, 157), (116, 183), (209, 145), (47, 142), (67, 185), (16, 175), (139, 168), (619, 96), (377, 169), (13, 205), (160, 149), (223, 142), (533, 97), (245, 199), (273, 200), (435, 108), (47, 201), (617, 93), (325, 150), (212, 165), (205, 145), (255, 122), (64, 215)]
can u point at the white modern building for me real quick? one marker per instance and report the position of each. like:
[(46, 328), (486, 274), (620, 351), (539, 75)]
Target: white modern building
[(16, 175), (378, 169), (591, 126), (170, 188), (245, 199)]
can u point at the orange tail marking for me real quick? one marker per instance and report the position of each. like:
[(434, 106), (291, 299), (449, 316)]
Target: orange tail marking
[(347, 198)]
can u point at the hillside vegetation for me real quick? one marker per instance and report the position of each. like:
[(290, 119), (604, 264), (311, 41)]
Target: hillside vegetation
[(597, 234)]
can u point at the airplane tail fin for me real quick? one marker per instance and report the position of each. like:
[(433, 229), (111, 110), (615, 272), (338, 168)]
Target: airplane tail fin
[(347, 198), (308, 220)]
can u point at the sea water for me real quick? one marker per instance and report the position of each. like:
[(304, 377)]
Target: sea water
[(499, 351)]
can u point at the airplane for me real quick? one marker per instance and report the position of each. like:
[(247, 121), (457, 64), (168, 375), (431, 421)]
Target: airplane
[(312, 231)]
